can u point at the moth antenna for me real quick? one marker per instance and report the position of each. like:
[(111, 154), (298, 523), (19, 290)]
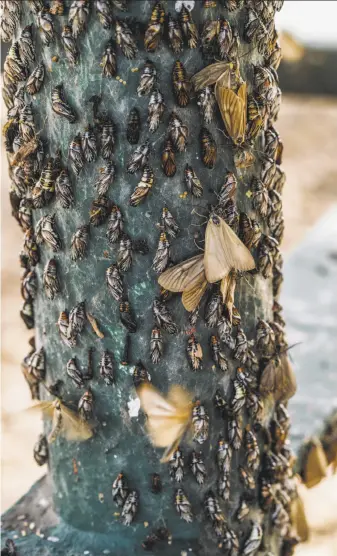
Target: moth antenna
[(197, 246)]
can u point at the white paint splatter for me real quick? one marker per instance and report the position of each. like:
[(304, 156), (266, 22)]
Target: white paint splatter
[(189, 5), (53, 539), (134, 407)]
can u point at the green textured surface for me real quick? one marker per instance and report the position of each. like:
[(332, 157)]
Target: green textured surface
[(120, 442)]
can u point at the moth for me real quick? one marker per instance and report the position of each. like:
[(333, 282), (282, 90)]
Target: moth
[(107, 138), (168, 419), (213, 309), (224, 485), (200, 423), (29, 285), (235, 431), (155, 28), (143, 187), (156, 484), (46, 232), (78, 16), (133, 126), (27, 314), (224, 251), (247, 478), (162, 256), (77, 318), (125, 360), (192, 182), (115, 225), (230, 541), (26, 123), (156, 345), (232, 105), (176, 465), (139, 158), (124, 257), (155, 110), (194, 353), (254, 540), (108, 62), (74, 373), (104, 13), (40, 451), (37, 364), (63, 190), (114, 282), (99, 210), (25, 216), (79, 243), (206, 102), (180, 84), (57, 7), (241, 347), (168, 223), (130, 508), (45, 23), (183, 506), (63, 326), (243, 510), (175, 35), (218, 355), (70, 45), (60, 105), (208, 148), (30, 247), (140, 375), (107, 368), (120, 489), (168, 162), (125, 39), (65, 422), (178, 132), (198, 467), (148, 79), (163, 317), (224, 455), (126, 317), (189, 28), (35, 80), (89, 144), (214, 513), (105, 178), (75, 154)]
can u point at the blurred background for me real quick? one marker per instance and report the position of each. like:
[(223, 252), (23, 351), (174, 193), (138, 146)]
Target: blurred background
[(308, 127)]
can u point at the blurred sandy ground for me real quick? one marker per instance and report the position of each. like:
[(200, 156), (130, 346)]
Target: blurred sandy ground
[(308, 128)]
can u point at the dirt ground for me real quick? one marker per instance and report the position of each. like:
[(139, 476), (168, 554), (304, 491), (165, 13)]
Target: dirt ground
[(308, 128)]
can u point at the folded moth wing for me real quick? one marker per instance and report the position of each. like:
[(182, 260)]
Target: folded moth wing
[(278, 379), (191, 298), (233, 108), (183, 276), (168, 419), (224, 251)]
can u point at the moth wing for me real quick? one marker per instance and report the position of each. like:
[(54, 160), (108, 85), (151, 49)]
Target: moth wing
[(268, 379), (171, 448), (209, 75), (237, 254), (153, 403), (216, 264), (299, 519), (232, 108), (180, 398), (286, 385), (184, 275), (191, 298), (47, 408), (316, 465), (74, 428), (242, 94)]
